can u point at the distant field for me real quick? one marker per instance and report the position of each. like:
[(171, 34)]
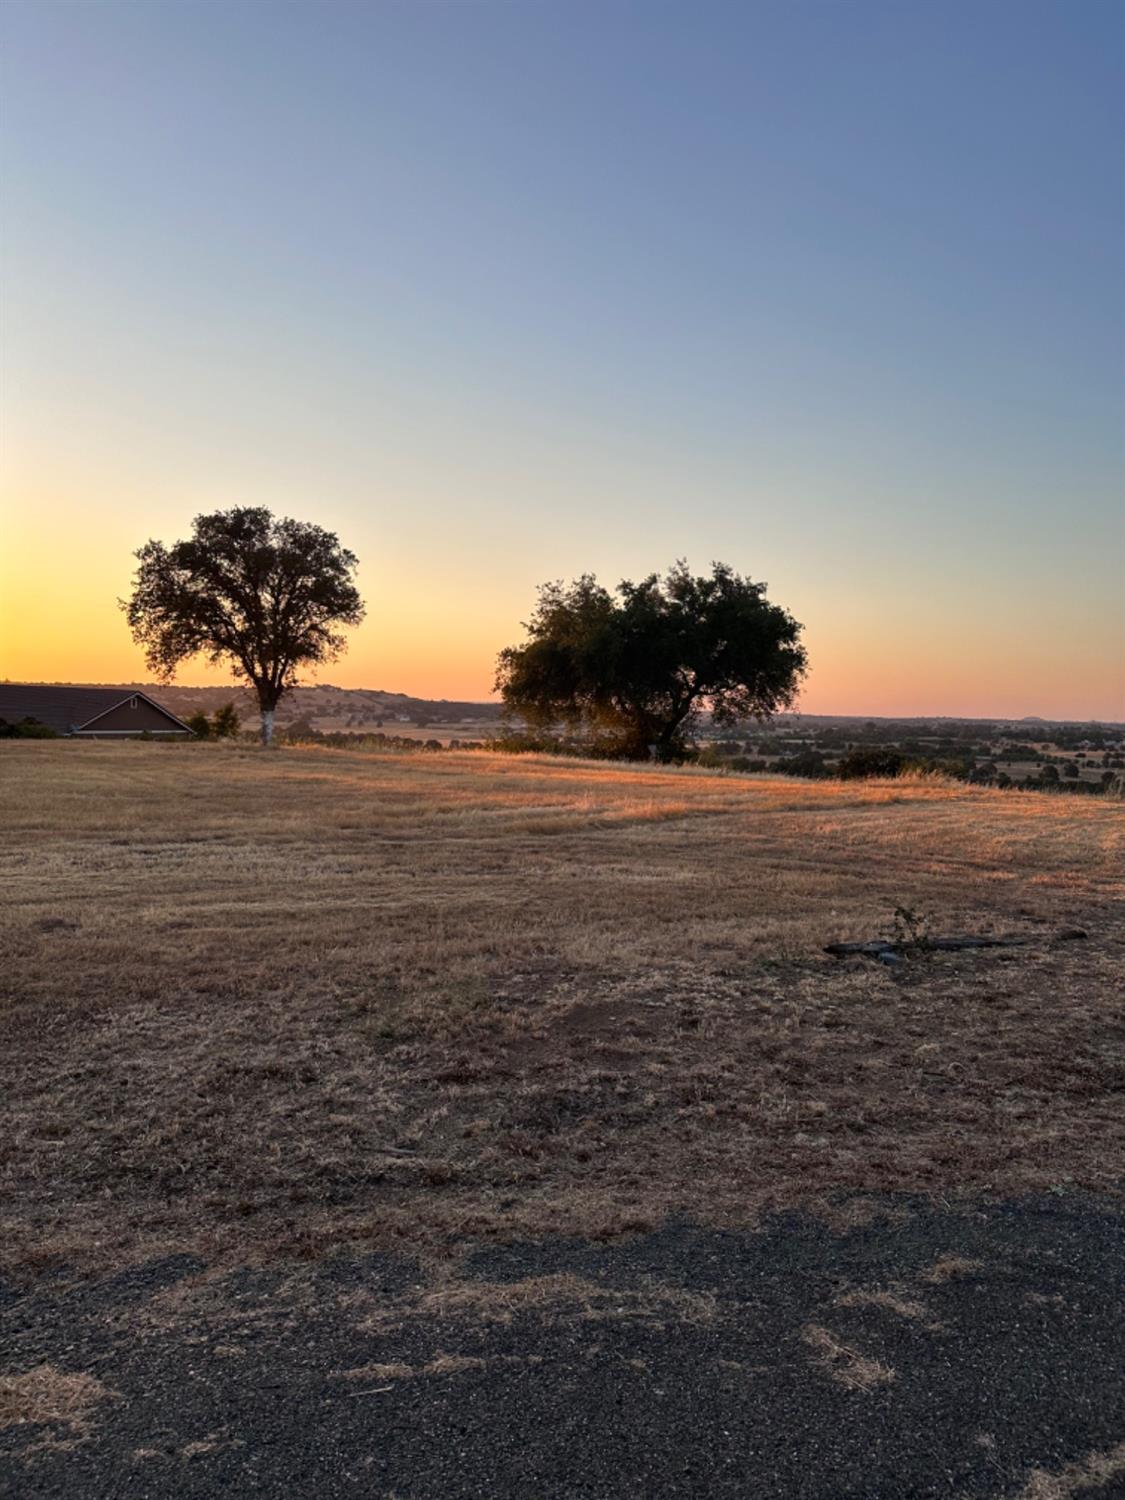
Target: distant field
[(277, 1003), (476, 729)]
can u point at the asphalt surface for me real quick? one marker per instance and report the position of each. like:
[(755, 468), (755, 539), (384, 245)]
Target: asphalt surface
[(805, 1363)]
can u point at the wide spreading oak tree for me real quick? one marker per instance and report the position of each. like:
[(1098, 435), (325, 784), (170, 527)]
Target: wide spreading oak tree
[(265, 596), (631, 672)]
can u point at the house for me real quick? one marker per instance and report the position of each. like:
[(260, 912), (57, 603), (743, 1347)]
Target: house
[(88, 712)]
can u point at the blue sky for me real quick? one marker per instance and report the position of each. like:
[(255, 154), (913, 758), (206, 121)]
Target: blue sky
[(509, 292)]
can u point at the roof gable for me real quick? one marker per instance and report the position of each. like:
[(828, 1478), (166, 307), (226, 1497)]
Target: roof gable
[(67, 709)]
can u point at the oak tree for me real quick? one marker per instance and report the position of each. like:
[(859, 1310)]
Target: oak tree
[(265, 596), (633, 671)]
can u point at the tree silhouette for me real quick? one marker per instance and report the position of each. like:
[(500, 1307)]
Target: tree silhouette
[(265, 596), (634, 673)]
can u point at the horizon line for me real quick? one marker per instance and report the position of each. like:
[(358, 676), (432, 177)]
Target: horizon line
[(876, 718)]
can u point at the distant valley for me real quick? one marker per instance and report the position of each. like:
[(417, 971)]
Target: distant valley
[(325, 707)]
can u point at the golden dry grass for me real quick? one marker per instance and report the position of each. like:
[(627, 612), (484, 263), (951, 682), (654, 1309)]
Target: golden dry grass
[(1094, 1473), (949, 1268), (843, 1363), (892, 1300), (48, 1394), (261, 1004), (560, 1297), (441, 1364)]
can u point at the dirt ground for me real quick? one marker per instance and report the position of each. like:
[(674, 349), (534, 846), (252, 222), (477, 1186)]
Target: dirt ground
[(267, 1010), (262, 1004)]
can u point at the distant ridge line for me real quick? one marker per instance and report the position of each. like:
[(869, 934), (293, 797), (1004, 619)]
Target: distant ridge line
[(210, 694)]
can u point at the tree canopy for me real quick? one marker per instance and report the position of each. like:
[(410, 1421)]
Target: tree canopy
[(633, 671), (265, 596)]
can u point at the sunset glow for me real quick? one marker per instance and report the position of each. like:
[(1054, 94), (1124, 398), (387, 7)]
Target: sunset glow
[(495, 329)]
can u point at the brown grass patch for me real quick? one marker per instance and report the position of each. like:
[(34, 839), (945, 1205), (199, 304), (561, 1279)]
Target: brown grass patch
[(214, 1442), (908, 1308), (1092, 1473), (948, 1267), (48, 1394), (556, 1298), (843, 1363), (260, 1005), (441, 1364)]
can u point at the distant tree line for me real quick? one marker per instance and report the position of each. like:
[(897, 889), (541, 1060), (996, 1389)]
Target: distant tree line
[(301, 732), (224, 724)]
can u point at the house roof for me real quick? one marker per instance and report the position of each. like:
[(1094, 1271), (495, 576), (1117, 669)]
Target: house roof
[(65, 709)]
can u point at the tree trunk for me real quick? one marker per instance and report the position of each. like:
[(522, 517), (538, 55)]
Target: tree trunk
[(267, 727), (667, 743)]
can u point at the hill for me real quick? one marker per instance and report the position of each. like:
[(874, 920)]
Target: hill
[(330, 707), (327, 707)]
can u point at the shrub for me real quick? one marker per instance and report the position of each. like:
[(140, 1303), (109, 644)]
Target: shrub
[(804, 763), (26, 729), (862, 764), (711, 757), (931, 765), (226, 723), (300, 731)]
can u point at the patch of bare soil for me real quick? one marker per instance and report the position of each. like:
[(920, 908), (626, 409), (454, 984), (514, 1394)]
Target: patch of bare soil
[(702, 1095)]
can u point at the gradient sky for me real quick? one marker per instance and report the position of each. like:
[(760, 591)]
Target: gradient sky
[(508, 292)]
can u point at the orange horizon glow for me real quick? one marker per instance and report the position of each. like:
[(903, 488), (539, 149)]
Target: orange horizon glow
[(59, 622)]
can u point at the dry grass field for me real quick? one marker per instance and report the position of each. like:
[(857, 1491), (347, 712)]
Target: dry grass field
[(258, 1004)]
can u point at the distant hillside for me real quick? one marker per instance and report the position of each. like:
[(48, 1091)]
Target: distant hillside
[(328, 707), (325, 706), (918, 720)]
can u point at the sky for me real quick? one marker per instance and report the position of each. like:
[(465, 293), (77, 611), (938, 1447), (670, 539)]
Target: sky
[(505, 293)]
